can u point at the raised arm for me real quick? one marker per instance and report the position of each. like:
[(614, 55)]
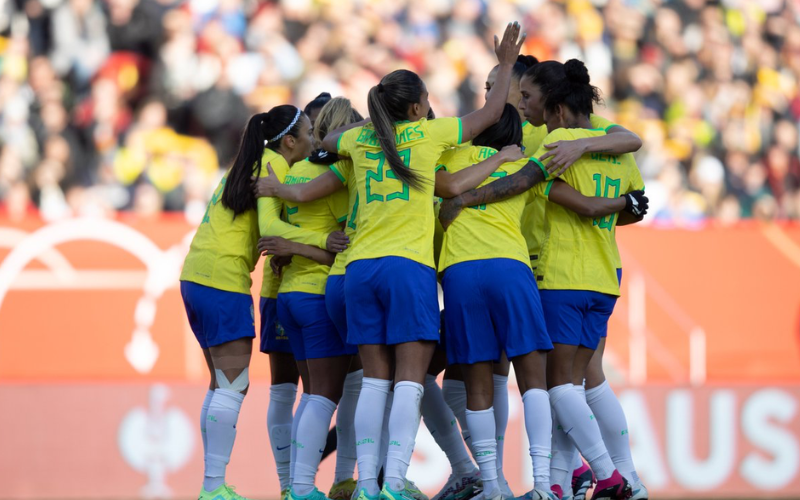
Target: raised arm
[(618, 140), (281, 247), (449, 184), (329, 143), (507, 51), (527, 177), (319, 187)]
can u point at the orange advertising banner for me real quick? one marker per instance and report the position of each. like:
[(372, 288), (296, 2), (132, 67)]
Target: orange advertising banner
[(102, 380)]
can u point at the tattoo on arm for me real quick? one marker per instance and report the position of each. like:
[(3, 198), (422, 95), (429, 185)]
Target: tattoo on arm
[(506, 187)]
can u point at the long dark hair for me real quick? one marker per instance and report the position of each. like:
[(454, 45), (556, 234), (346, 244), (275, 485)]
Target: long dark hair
[(388, 103), (507, 131), (567, 84), (237, 194)]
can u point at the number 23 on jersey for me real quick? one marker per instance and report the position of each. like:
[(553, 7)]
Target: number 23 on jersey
[(376, 178)]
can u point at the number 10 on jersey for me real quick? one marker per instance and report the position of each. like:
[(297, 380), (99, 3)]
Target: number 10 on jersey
[(603, 185)]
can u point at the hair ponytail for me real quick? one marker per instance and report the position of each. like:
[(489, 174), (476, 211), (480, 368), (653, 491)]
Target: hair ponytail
[(388, 103), (263, 130), (567, 84)]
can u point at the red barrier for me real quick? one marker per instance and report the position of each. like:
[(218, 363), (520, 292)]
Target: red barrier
[(91, 319)]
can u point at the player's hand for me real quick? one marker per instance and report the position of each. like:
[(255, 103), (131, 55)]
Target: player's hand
[(277, 246), (266, 186), (508, 48), (636, 203), (511, 153), (562, 155), (337, 242), (449, 210), (278, 263)]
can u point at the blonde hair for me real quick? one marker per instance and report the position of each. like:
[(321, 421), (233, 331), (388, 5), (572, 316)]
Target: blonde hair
[(336, 113)]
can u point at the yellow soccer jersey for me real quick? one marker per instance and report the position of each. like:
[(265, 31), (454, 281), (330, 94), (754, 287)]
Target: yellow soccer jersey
[(344, 171), (271, 222), (579, 253), (393, 219), (323, 215), (224, 249), (485, 231), (534, 215)]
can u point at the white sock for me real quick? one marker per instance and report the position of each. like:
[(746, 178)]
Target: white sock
[(484, 437), (614, 429), (312, 432), (345, 430), (577, 463), (295, 424), (500, 405), (203, 416), (538, 424), (403, 426), (279, 427), (579, 424), (441, 423), (564, 451), (455, 395), (387, 412), (368, 425), (223, 412)]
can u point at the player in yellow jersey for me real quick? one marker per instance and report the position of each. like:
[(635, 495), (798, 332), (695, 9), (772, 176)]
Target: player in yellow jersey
[(315, 338), (578, 273), (617, 140), (284, 375), (389, 270), (215, 281)]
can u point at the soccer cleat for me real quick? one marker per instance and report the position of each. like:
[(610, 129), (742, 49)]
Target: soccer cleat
[(459, 487), (539, 495), (414, 492), (557, 491), (640, 493), (343, 490), (363, 495), (582, 479), (315, 494), (224, 492), (388, 493), (614, 488), (285, 494)]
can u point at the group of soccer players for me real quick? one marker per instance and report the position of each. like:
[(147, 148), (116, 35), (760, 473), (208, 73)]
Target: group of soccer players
[(528, 189)]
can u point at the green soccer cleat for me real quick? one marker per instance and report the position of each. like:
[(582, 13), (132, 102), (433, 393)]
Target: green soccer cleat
[(416, 494), (343, 490), (285, 494), (224, 492), (315, 494), (410, 492), (363, 495)]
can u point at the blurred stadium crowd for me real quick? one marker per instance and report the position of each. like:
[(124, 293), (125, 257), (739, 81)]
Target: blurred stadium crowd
[(109, 105)]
